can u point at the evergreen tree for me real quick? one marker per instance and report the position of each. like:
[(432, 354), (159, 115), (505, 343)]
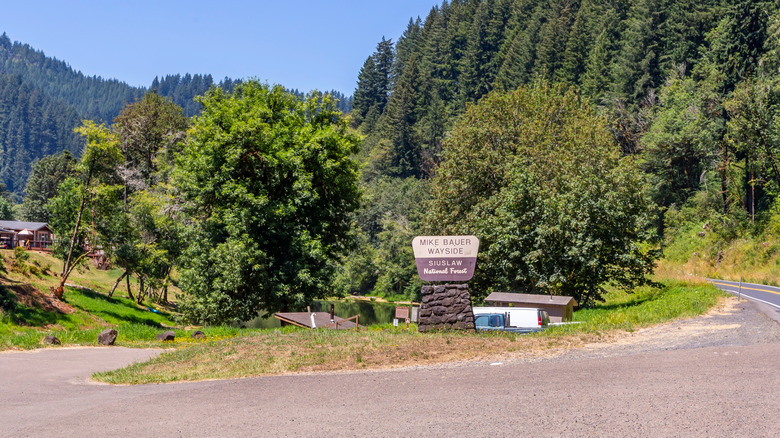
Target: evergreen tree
[(636, 70), (584, 32), (596, 80), (481, 62), (402, 114), (47, 174), (365, 95), (373, 87), (520, 53), (553, 38)]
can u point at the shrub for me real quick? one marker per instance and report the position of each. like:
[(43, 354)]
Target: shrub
[(21, 254)]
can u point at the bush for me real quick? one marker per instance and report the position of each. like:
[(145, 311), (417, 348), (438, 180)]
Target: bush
[(21, 254)]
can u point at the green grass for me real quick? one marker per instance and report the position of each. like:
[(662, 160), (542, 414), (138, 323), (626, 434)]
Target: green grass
[(269, 352), (646, 306), (25, 327)]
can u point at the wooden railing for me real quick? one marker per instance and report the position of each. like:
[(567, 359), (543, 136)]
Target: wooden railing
[(356, 318), (37, 245)]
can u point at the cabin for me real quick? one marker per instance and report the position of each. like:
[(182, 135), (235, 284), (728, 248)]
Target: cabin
[(30, 235), (560, 308)]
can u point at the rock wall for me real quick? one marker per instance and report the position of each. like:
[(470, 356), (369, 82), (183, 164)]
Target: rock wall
[(446, 307)]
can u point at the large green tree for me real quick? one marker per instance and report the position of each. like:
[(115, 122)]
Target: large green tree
[(269, 183), (538, 178)]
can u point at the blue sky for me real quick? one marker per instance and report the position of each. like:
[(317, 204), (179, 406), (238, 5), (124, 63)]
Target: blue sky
[(299, 44)]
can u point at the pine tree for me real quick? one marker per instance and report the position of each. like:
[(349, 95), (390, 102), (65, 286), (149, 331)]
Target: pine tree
[(373, 88), (595, 81), (581, 39), (520, 52), (553, 37), (481, 61), (402, 115), (637, 67), (365, 94)]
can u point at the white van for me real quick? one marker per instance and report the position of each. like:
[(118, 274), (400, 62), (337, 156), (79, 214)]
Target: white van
[(518, 317)]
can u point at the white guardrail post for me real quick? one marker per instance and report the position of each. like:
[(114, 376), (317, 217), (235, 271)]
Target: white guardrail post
[(739, 295)]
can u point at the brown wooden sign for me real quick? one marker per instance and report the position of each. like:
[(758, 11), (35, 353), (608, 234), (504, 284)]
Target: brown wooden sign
[(402, 313), (445, 258)]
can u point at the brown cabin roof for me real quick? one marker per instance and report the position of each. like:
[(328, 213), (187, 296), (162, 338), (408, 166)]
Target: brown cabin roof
[(515, 298), (321, 319)]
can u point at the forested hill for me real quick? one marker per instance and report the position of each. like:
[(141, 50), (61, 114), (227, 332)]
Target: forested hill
[(91, 96), (42, 99), (32, 125), (619, 53)]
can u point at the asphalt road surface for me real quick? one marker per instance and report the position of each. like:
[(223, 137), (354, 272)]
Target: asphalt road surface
[(715, 376), (767, 295)]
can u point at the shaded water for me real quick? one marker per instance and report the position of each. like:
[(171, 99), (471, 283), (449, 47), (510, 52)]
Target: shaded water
[(371, 312)]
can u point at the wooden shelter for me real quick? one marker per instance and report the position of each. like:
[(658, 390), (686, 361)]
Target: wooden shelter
[(314, 320), (559, 308)]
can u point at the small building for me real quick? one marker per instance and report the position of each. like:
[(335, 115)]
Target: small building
[(559, 308), (31, 235)]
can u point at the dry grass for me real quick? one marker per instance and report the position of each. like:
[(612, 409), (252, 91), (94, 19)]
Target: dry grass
[(304, 351)]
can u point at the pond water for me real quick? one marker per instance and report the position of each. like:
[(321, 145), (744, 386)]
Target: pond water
[(371, 312)]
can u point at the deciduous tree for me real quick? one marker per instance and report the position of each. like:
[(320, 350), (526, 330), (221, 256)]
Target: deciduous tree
[(537, 177), (96, 171), (270, 185)]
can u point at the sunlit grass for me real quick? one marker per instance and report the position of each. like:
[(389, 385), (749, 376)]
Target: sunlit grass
[(691, 256), (136, 325)]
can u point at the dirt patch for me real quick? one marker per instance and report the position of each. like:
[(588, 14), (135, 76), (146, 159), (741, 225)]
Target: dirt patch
[(730, 323), (32, 297)]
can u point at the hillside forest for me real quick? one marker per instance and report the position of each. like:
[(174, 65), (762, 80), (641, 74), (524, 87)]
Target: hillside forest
[(582, 141)]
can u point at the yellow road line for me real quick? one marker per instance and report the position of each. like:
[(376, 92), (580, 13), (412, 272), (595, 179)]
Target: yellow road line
[(748, 288)]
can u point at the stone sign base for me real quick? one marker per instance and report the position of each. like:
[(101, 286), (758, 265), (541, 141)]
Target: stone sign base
[(446, 307)]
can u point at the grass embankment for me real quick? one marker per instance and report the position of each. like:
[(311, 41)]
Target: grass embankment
[(272, 352), (28, 312), (24, 327), (698, 252)]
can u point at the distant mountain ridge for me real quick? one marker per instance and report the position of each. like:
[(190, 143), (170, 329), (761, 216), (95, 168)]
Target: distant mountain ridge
[(91, 96), (42, 99)]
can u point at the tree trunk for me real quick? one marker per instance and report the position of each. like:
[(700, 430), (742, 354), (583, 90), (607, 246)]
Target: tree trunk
[(129, 292), (140, 289), (68, 267), (59, 290), (118, 280), (752, 197)]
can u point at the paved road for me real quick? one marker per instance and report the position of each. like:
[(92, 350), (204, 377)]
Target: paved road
[(766, 295), (727, 388)]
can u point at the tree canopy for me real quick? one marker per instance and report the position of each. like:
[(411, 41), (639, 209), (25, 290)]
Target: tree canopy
[(270, 186), (537, 176)]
